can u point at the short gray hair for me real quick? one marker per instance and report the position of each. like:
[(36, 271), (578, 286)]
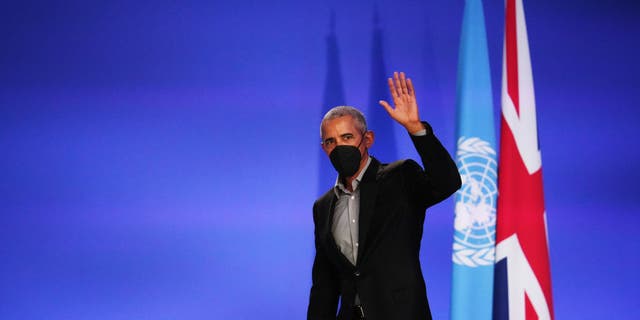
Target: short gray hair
[(341, 111)]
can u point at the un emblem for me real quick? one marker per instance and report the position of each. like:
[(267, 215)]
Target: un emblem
[(475, 221)]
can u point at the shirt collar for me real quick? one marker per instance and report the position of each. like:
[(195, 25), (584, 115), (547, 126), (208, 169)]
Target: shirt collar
[(354, 184)]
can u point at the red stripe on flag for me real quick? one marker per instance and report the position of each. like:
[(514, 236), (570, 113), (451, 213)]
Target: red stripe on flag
[(512, 54), (530, 312)]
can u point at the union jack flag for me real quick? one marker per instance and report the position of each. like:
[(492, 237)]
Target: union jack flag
[(522, 286)]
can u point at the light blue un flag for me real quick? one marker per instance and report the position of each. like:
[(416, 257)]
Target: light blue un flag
[(475, 211)]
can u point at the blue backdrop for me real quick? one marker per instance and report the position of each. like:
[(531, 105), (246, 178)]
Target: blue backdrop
[(160, 158)]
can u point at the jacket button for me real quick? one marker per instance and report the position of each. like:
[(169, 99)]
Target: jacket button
[(357, 273)]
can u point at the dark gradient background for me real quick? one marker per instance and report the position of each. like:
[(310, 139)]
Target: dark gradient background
[(160, 158)]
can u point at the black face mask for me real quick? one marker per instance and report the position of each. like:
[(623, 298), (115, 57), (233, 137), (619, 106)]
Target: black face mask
[(346, 159)]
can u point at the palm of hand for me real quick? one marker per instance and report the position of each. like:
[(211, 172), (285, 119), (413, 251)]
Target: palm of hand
[(405, 110)]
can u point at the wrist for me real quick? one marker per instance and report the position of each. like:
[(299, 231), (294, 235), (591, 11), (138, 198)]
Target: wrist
[(414, 127)]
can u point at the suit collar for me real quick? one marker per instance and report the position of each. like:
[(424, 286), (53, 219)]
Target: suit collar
[(372, 171)]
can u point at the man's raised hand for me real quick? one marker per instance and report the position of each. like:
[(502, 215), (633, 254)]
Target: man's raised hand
[(404, 100)]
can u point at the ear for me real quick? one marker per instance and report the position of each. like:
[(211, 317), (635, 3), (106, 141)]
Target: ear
[(369, 137), (323, 148)]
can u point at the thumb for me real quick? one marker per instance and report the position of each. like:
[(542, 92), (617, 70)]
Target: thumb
[(386, 106)]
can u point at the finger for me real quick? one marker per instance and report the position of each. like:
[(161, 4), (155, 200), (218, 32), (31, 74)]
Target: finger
[(411, 92), (398, 85), (392, 88), (403, 82), (386, 106)]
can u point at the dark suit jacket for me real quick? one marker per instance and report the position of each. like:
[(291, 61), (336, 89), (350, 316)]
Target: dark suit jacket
[(387, 275)]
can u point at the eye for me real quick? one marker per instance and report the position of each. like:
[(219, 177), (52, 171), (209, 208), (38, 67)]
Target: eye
[(329, 142)]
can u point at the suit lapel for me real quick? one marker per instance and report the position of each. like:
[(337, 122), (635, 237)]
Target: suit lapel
[(368, 192)]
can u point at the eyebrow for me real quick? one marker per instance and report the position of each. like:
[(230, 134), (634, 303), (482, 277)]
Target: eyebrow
[(344, 135)]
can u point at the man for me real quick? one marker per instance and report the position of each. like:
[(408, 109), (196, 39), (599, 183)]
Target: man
[(369, 226)]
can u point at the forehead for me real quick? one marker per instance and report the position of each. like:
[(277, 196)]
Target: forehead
[(339, 126)]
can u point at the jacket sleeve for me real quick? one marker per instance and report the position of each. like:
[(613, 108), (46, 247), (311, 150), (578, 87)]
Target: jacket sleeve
[(440, 177), (325, 287)]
